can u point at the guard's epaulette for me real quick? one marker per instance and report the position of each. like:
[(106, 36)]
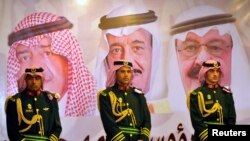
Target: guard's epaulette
[(51, 95), (227, 89), (194, 92), (102, 93), (138, 91), (12, 97)]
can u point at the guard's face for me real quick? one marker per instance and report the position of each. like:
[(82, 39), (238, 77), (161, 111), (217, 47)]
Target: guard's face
[(55, 66), (124, 75), (136, 48), (213, 76), (195, 49), (33, 82)]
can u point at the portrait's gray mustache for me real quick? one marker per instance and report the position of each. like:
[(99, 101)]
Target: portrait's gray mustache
[(137, 71), (194, 71)]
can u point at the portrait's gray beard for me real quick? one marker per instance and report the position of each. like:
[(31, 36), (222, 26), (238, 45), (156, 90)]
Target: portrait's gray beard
[(194, 71)]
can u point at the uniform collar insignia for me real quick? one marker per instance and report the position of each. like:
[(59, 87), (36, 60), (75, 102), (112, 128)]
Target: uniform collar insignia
[(34, 93), (123, 88), (212, 86)]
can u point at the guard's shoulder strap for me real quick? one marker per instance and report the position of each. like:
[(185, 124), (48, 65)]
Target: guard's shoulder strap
[(192, 93), (227, 90), (11, 98), (52, 95), (138, 91), (102, 92)]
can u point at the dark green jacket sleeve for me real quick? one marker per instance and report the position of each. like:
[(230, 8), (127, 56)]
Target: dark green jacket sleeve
[(231, 113), (108, 118), (200, 127), (57, 123), (12, 120), (146, 125)]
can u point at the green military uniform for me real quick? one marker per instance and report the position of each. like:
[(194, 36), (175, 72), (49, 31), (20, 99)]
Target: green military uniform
[(210, 105), (124, 113), (31, 117)]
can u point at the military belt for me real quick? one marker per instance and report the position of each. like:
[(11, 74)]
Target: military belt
[(35, 138), (129, 130), (213, 123)]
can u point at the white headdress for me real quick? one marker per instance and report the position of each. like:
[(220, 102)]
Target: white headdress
[(119, 29), (240, 69)]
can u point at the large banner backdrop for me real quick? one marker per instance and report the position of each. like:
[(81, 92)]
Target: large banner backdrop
[(78, 61)]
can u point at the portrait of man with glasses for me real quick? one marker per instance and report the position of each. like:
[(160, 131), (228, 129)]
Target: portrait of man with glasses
[(197, 40), (196, 48), (208, 35)]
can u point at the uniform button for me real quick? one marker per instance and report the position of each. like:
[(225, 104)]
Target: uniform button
[(120, 99), (130, 124), (131, 135), (35, 99), (126, 93)]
